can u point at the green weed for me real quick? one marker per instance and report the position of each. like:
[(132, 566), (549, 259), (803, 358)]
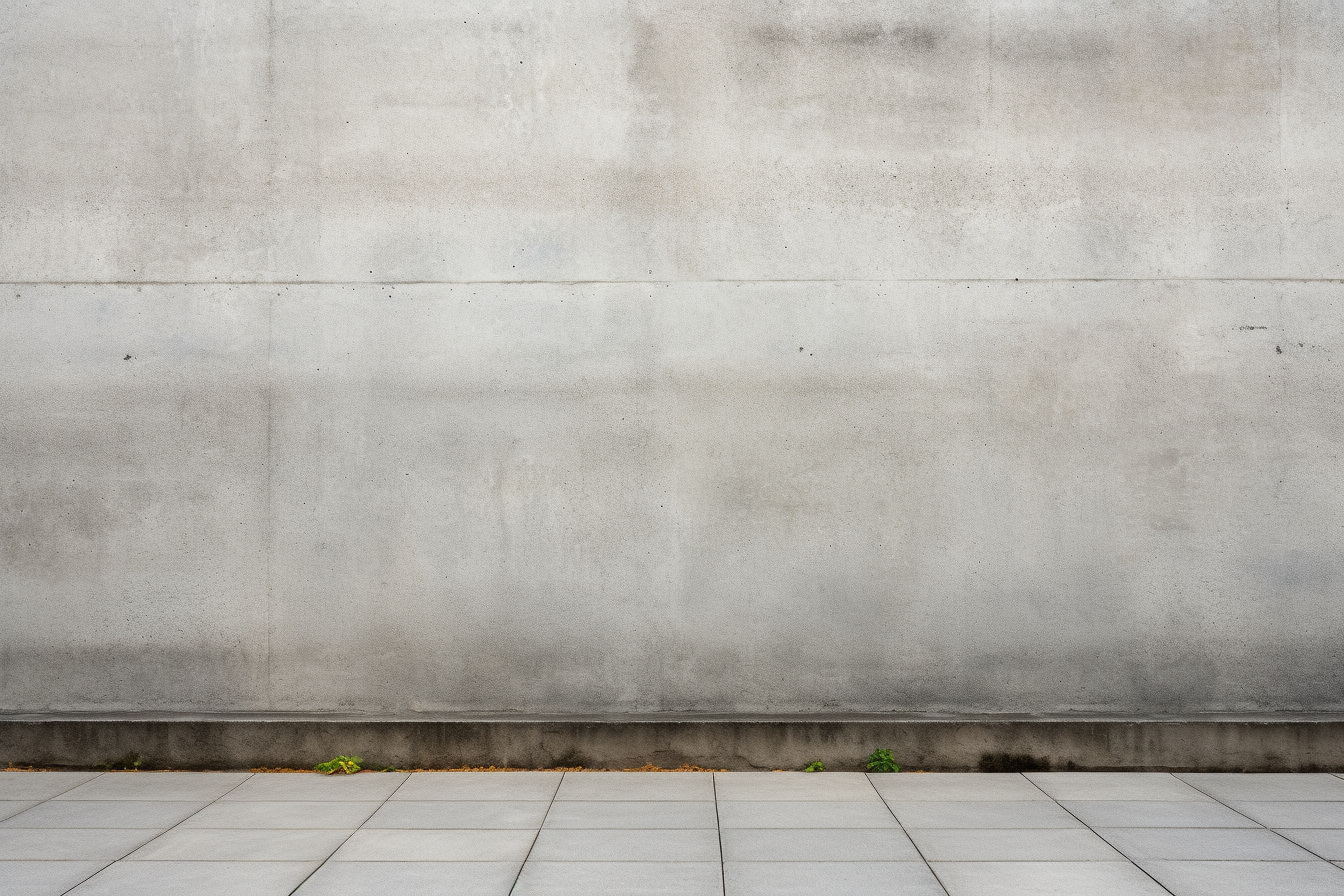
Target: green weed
[(882, 761), (345, 764), (815, 766)]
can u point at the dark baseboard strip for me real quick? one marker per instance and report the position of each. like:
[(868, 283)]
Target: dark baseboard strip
[(1262, 744)]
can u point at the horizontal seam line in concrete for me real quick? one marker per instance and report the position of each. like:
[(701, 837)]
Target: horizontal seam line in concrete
[(29, 283)]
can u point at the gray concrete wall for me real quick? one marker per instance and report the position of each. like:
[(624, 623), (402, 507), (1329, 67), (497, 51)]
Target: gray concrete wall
[(401, 357)]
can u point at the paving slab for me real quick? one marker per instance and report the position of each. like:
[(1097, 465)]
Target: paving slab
[(945, 787), (1248, 878), (161, 814), (1268, 787), (1046, 879), (461, 814), (10, 808), (1156, 814), (435, 846), (999, 845), (1115, 786), (1328, 843), (314, 787), (44, 878), (817, 845), (1204, 844), (805, 814), (412, 879), (620, 879), (72, 844), (822, 878), (283, 814), (40, 785), (662, 786), (626, 846), (794, 786), (196, 879), (240, 846), (971, 814), (172, 786), (621, 814), (1286, 814), (479, 786)]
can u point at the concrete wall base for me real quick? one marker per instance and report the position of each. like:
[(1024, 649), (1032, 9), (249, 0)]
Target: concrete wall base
[(1279, 743)]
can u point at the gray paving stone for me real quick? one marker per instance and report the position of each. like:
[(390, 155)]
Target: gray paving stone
[(829, 879), (71, 844), (412, 879), (176, 786), (805, 814), (620, 879), (1002, 845), (1284, 814), (34, 786), (1268, 787), (1046, 879), (235, 845), (283, 814), (10, 808), (44, 878), (278, 787), (1326, 843), (1248, 878), (1115, 786), (626, 846), (969, 814), (196, 879), (662, 786), (460, 814), (479, 786), (1156, 814), (794, 786), (620, 814), (817, 845), (435, 846), (946, 787), (1204, 844), (104, 814)]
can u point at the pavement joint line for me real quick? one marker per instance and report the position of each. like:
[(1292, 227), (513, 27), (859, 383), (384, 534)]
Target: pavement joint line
[(250, 776), (540, 827), (718, 829), (1252, 820), (322, 864), (1098, 836), (868, 776)]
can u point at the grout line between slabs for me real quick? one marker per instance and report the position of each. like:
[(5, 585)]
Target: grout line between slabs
[(250, 775), (718, 829), (648, 282), (1095, 834), (537, 836), (927, 864), (358, 828), (1252, 820)]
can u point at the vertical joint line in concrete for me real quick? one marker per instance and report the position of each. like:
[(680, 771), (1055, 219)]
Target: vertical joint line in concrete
[(718, 829), (927, 864), (541, 827), (1089, 827)]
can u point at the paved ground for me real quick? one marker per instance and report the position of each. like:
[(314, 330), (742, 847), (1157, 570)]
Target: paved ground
[(740, 834)]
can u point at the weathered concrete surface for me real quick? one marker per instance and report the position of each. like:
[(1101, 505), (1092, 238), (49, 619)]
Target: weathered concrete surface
[(1279, 743), (819, 448)]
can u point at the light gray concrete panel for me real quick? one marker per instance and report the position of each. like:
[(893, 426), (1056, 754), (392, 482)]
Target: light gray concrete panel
[(1157, 814), (71, 844), (805, 814), (632, 815), (1204, 844), (399, 140), (817, 845), (1035, 878), (1003, 845), (197, 878), (851, 878), (1285, 814), (620, 878), (1116, 786), (289, 814), (1269, 787), (460, 814), (412, 879), (168, 786), (40, 785), (479, 786), (45, 878), (956, 786), (1248, 878), (435, 846), (793, 786), (133, 499), (316, 787), (625, 846), (105, 814)]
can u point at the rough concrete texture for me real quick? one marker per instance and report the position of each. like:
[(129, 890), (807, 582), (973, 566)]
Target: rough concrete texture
[(424, 358)]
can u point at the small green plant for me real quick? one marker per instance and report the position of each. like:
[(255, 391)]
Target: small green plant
[(345, 764), (131, 762), (815, 766), (882, 761)]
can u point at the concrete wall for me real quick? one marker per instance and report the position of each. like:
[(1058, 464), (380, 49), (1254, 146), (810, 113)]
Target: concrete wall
[(401, 357)]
